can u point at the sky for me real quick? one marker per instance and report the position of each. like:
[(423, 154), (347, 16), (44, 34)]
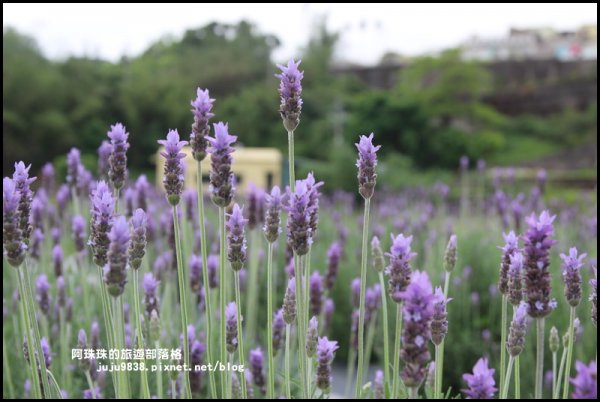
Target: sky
[(368, 30)]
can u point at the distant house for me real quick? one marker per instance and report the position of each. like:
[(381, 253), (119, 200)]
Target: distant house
[(259, 166)]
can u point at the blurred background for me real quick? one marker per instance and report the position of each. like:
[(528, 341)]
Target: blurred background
[(512, 85)]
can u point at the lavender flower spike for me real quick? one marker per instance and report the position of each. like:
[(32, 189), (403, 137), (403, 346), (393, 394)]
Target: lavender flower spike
[(289, 302), (150, 286), (115, 272), (377, 254), (173, 174), (42, 286), (12, 236), (255, 201), (78, 227), (572, 264), (272, 215), (538, 241), (510, 247), (480, 384), (334, 255), (515, 279), (290, 89), (236, 252), (137, 246), (118, 156), (450, 254), (312, 334), (73, 163), (104, 152), (316, 293), (278, 328), (518, 330), (103, 205), (325, 353), (201, 108), (399, 269), (298, 224), (22, 182), (418, 311), (439, 322), (57, 259), (257, 359), (221, 178), (231, 332), (586, 381), (366, 163)]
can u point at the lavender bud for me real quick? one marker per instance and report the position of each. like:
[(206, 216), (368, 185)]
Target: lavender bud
[(377, 254), (221, 178), (104, 152), (36, 244), (538, 241), (46, 351), (439, 322), (571, 267), (73, 163), (82, 344), (78, 228), (22, 182), (518, 330), (231, 330), (60, 289), (173, 172), (450, 255), (12, 235), (290, 90), (255, 201), (201, 108), (129, 196), (249, 380), (515, 278), (289, 302), (137, 246), (366, 163), (69, 310), (399, 269), (142, 188), (316, 293), (118, 156), (115, 272), (585, 383), (212, 265), (236, 252), (48, 178), (63, 195), (480, 384), (511, 246), (195, 265), (103, 205), (56, 233), (57, 259), (256, 368), (196, 357), (298, 224), (334, 255), (278, 328), (272, 216), (325, 353), (312, 334), (554, 341), (328, 310), (150, 286), (42, 296), (313, 202)]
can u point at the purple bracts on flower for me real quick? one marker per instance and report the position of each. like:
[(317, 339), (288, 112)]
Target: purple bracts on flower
[(399, 269), (150, 286), (377, 254), (538, 241), (195, 265), (355, 290), (278, 328), (325, 353), (312, 333), (289, 302), (378, 385), (103, 205), (78, 228), (290, 90), (594, 297), (236, 251), (173, 173), (221, 178), (366, 163), (12, 236), (255, 201), (73, 163), (256, 368), (299, 232), (137, 246), (480, 384), (272, 215), (201, 108), (115, 272), (313, 201), (316, 293), (104, 152), (57, 260), (231, 331), (439, 321), (46, 351), (418, 311), (585, 382), (518, 330), (334, 255), (511, 246), (118, 155), (212, 264), (22, 183), (571, 274), (515, 278), (42, 286)]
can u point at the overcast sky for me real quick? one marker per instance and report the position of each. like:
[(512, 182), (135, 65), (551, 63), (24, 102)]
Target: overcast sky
[(110, 31)]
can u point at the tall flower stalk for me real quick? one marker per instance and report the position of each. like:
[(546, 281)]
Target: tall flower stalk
[(511, 246), (367, 177), (173, 183), (515, 343), (379, 264), (289, 316)]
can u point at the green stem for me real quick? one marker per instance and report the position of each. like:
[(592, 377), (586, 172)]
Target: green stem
[(386, 345), (539, 365), (291, 161), (7, 373), (136, 293), (350, 370), (309, 377), (439, 363), (253, 283), (413, 393), (566, 383), (208, 312), (271, 379), (222, 296), (554, 373), (182, 279), (58, 394), (396, 373), (560, 372), (504, 391), (91, 384), (63, 348), (517, 378), (288, 392), (37, 391), (370, 339), (363, 287), (300, 318), (108, 322), (173, 389), (305, 267), (242, 355), (503, 331), (436, 377), (159, 379)]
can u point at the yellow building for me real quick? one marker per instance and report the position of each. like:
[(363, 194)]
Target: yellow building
[(259, 166)]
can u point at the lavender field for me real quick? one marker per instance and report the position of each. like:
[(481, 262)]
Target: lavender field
[(480, 286)]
